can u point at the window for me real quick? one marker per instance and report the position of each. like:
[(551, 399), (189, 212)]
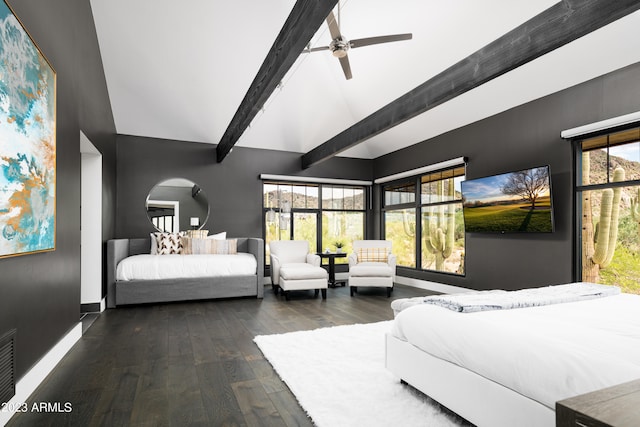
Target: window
[(400, 228), (423, 219), (322, 214), (164, 215), (608, 189)]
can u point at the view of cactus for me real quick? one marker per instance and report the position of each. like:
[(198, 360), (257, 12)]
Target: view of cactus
[(600, 240), (635, 210), (409, 222), (439, 239)]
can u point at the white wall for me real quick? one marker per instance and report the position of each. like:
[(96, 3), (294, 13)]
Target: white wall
[(91, 223)]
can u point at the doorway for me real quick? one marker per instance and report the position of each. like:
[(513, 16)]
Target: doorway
[(91, 300)]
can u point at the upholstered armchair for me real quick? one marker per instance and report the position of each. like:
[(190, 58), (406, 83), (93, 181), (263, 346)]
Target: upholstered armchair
[(372, 264), (294, 268)]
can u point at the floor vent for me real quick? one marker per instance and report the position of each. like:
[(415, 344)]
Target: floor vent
[(7, 366)]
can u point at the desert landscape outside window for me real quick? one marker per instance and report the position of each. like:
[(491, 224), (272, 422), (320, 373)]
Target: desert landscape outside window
[(609, 192)]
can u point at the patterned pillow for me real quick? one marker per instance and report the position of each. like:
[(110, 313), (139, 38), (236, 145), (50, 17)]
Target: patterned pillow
[(373, 255), (169, 243)]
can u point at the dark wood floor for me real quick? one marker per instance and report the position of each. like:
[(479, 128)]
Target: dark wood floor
[(193, 363)]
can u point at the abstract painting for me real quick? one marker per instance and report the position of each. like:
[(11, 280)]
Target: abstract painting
[(27, 142)]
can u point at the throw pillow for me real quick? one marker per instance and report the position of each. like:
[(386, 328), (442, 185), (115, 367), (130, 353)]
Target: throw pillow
[(218, 236), (154, 244), (226, 247), (191, 246), (373, 255), (169, 243), (197, 234), (209, 246)]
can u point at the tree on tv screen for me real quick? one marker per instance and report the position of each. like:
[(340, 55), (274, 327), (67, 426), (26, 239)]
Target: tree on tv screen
[(529, 184)]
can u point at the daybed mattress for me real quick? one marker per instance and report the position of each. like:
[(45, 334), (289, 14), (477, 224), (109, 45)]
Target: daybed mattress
[(153, 267), (546, 353)]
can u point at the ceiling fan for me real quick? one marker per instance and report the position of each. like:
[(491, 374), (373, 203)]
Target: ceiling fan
[(339, 45)]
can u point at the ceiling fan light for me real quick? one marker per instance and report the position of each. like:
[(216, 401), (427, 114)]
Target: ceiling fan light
[(339, 53), (339, 47)]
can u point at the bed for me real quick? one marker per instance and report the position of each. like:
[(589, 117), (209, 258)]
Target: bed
[(135, 276), (508, 367)]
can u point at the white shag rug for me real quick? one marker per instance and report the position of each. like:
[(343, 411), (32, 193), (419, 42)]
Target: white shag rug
[(339, 378)]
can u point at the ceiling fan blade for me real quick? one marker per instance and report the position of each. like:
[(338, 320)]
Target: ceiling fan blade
[(346, 68), (315, 49), (380, 39), (334, 30)]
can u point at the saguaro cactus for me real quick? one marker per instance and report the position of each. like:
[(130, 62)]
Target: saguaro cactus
[(440, 227), (599, 246), (635, 210), (408, 222)]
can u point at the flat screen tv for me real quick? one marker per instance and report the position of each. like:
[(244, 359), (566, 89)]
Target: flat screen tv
[(514, 202)]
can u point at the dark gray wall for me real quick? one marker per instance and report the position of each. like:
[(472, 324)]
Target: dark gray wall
[(523, 137), (233, 187), (41, 292)]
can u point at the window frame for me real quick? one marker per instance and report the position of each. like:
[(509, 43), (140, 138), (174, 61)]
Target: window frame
[(318, 211), (417, 205), (579, 188)]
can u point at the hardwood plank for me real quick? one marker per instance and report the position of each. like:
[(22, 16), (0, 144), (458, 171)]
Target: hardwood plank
[(562, 23), (151, 406), (238, 370), (303, 22), (257, 407), (217, 394), (288, 408), (116, 400), (204, 349), (185, 404)]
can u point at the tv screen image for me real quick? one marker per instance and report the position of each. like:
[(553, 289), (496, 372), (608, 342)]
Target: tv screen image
[(514, 202)]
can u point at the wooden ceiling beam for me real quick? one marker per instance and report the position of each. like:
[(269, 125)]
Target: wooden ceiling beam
[(562, 23), (303, 22)]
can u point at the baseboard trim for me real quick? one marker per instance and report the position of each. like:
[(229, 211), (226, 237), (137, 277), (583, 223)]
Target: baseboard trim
[(34, 377), (90, 308), (431, 286)]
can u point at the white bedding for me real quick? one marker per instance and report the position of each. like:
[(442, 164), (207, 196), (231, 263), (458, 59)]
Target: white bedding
[(546, 353), (153, 267)]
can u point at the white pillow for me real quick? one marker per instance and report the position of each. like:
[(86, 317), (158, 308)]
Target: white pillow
[(154, 244), (219, 236)]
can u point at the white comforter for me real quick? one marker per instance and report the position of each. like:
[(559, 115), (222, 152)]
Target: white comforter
[(546, 353), (152, 267)]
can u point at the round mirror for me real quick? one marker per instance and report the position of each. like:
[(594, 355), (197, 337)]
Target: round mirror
[(177, 205)]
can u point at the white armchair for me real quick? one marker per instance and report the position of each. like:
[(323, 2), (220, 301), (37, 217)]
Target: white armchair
[(294, 268), (372, 264)]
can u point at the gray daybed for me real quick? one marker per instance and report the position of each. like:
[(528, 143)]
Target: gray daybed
[(166, 290)]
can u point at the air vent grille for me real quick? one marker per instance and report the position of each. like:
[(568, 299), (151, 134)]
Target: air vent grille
[(7, 366)]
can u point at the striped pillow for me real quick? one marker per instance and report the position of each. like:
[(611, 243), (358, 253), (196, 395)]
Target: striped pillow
[(373, 254), (209, 246), (226, 247), (192, 246), (197, 234)]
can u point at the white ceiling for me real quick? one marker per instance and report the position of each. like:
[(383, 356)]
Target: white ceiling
[(179, 70)]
